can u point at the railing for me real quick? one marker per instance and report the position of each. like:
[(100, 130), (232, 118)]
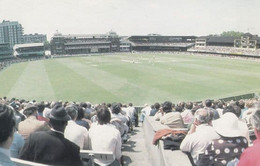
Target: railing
[(236, 98)]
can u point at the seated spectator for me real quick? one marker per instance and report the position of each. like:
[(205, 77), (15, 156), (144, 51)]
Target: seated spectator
[(159, 114), (105, 137), (89, 112), (200, 135), (241, 104), (155, 109), (18, 116), (31, 124), (237, 111), (116, 115), (7, 128), (231, 144), (171, 118), (250, 157), (47, 110), (187, 114), (208, 104), (219, 108), (130, 114), (193, 110), (17, 145), (81, 120), (74, 132), (178, 109), (249, 112), (50, 147), (130, 111), (40, 108)]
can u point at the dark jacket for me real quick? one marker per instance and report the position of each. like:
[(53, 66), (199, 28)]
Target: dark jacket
[(49, 147)]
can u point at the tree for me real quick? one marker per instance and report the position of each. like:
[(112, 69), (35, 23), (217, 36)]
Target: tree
[(232, 34)]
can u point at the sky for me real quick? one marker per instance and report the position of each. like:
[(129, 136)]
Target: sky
[(133, 17)]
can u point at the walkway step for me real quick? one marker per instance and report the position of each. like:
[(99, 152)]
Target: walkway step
[(134, 151)]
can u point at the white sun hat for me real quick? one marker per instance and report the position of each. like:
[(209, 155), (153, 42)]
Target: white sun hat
[(229, 125)]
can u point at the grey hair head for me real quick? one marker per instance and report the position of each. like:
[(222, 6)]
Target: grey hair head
[(256, 120), (203, 116)]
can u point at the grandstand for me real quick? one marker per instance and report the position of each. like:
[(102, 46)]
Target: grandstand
[(246, 45), (84, 44), (29, 50), (162, 43)]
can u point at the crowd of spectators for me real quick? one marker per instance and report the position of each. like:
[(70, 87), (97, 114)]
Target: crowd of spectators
[(226, 50), (176, 44), (4, 63), (218, 131), (55, 132), (87, 41)]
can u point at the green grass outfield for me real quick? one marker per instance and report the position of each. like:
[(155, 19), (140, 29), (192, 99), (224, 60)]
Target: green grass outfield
[(138, 78)]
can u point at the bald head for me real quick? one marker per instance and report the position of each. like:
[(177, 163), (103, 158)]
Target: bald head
[(202, 115)]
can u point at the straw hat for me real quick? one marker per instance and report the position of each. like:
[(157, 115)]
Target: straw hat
[(229, 125)]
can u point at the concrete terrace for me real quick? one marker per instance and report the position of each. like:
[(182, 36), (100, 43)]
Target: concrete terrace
[(134, 151)]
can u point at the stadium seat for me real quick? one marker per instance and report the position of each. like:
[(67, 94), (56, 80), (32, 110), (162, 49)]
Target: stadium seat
[(20, 162), (89, 156)]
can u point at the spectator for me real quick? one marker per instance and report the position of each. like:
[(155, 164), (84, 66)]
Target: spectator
[(119, 120), (145, 112), (31, 124), (18, 116), (17, 145), (249, 112), (155, 109), (130, 111), (171, 118), (187, 114), (81, 120), (116, 115), (104, 137), (50, 147), (208, 104), (7, 128), (159, 114), (250, 157), (200, 135), (237, 111), (40, 108), (241, 104), (74, 132), (178, 109), (47, 110), (89, 112), (229, 146)]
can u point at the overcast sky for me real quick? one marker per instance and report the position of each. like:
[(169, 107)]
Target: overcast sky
[(133, 17)]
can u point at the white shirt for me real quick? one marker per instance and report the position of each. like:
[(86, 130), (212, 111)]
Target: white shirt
[(220, 111), (105, 138), (119, 116), (130, 112), (77, 134), (146, 110), (197, 142)]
